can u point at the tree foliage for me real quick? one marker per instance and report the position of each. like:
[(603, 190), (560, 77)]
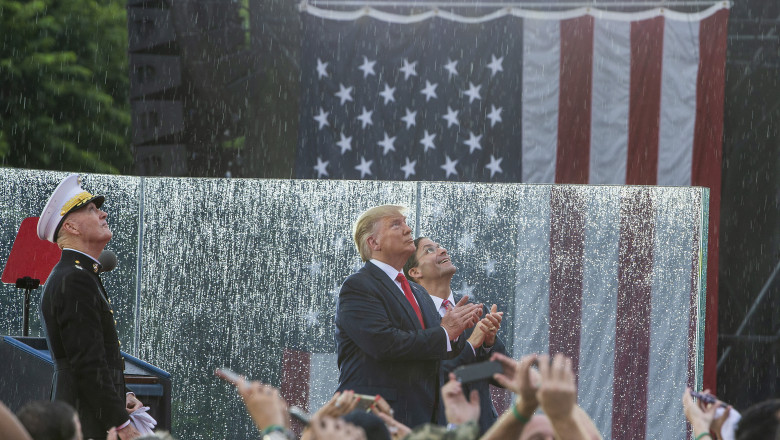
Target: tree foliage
[(64, 85)]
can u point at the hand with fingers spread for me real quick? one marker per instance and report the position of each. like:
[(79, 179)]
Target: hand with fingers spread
[(557, 395), (457, 409), (264, 404), (464, 315), (700, 414)]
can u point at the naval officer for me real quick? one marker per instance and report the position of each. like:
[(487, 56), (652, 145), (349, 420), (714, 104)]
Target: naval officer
[(77, 314)]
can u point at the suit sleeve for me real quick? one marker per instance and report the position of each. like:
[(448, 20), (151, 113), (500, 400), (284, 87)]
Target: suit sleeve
[(363, 315), (498, 347), (465, 357), (81, 307)]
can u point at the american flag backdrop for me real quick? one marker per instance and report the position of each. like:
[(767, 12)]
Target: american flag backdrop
[(581, 96), (612, 276)]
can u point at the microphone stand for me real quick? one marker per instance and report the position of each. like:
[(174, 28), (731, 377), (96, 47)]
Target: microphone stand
[(28, 284)]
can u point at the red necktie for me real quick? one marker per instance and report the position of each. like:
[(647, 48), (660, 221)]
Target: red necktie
[(409, 297), (446, 304)]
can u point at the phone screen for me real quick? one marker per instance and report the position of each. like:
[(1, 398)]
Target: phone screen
[(479, 371), (365, 401)]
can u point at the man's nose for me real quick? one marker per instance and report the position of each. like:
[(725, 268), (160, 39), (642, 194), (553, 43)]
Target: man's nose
[(442, 250)]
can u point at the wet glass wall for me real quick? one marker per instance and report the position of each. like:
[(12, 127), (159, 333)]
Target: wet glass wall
[(245, 273)]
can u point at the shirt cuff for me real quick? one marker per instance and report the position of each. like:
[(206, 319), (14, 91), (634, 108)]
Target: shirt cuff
[(123, 425), (449, 345), (472, 348)]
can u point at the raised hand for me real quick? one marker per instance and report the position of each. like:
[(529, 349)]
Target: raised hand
[(557, 394), (520, 378), (699, 414), (339, 405), (457, 409), (264, 404)]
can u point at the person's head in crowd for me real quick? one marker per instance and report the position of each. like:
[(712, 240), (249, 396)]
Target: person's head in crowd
[(429, 262), (538, 428), (760, 421), (381, 232), (50, 420), (374, 427)]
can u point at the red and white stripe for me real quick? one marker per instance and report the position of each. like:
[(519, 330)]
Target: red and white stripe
[(613, 282), (605, 103)]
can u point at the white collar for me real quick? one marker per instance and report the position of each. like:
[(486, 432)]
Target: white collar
[(437, 301), (386, 268)]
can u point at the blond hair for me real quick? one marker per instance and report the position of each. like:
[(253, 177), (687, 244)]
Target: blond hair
[(366, 225)]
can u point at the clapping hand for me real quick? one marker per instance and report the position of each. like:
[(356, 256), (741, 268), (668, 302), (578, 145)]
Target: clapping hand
[(461, 317)]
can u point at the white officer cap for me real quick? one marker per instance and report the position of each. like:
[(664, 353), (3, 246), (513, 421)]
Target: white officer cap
[(68, 197)]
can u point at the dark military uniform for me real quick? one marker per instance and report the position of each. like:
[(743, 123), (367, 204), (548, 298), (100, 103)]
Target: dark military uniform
[(82, 336)]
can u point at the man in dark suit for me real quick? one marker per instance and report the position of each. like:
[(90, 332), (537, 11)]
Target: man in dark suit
[(389, 337), (432, 268), (77, 315)]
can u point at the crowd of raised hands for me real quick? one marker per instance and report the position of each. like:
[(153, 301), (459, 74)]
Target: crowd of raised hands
[(539, 382), (545, 408)]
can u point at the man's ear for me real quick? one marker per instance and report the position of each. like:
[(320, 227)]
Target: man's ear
[(415, 273), (373, 244), (70, 227)]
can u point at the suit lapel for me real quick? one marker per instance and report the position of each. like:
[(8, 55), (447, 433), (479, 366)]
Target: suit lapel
[(394, 292), (427, 306)]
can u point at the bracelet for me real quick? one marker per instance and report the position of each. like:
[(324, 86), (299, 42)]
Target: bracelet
[(701, 436), (272, 428), (276, 432), (521, 418)]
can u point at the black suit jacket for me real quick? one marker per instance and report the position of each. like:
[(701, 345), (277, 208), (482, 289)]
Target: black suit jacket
[(83, 342), (488, 413), (383, 350)]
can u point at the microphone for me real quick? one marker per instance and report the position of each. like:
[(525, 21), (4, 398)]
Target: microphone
[(107, 260)]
